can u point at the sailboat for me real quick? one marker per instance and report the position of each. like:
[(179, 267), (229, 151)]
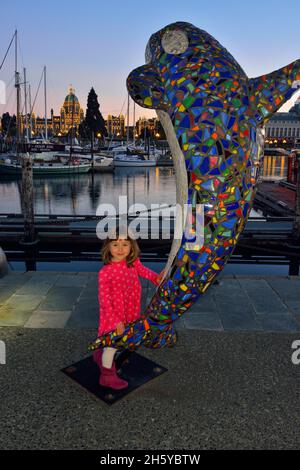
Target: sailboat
[(11, 165), (124, 157)]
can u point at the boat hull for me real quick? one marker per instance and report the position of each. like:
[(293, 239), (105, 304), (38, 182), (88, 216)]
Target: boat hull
[(6, 169), (145, 163)]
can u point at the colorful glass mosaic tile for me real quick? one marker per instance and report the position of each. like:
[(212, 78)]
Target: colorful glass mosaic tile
[(217, 114)]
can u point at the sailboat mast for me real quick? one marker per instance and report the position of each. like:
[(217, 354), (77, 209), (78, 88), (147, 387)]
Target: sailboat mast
[(134, 123), (30, 117), (128, 120), (17, 85), (26, 116), (45, 92)]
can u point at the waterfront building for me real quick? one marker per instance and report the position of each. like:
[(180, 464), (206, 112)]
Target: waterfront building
[(284, 125), (115, 125), (150, 124), (71, 115)]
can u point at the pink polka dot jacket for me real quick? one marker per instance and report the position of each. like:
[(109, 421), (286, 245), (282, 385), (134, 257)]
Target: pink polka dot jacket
[(119, 293)]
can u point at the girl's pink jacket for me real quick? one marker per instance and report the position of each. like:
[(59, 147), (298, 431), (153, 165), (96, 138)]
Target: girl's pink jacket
[(119, 293)]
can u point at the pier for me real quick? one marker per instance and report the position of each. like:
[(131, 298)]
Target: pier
[(68, 238)]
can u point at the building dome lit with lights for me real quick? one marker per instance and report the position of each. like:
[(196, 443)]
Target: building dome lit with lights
[(71, 114)]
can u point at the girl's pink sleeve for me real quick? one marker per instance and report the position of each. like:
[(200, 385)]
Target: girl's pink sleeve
[(146, 272)]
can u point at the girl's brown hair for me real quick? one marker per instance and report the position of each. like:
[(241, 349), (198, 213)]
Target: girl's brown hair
[(105, 251)]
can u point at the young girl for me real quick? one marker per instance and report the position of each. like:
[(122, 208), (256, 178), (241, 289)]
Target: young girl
[(119, 298)]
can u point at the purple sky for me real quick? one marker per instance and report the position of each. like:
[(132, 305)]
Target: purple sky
[(97, 43)]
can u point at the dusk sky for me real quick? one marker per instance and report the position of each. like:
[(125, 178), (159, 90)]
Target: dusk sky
[(97, 43)]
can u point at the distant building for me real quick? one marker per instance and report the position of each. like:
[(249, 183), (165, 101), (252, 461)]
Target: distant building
[(71, 115), (284, 125), (150, 124), (115, 125)]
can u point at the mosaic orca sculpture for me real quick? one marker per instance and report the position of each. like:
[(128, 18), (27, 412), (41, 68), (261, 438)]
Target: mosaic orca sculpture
[(213, 115)]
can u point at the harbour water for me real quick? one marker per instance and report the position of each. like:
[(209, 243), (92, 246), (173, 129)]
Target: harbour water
[(82, 194)]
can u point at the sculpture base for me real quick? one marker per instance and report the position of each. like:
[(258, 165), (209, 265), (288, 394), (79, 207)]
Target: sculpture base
[(131, 366)]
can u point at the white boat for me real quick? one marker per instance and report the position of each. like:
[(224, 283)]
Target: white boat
[(103, 164), (121, 157), (132, 160)]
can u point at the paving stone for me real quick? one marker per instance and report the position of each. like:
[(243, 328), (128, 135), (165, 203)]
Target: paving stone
[(287, 289), (246, 276), (85, 314), (92, 284), (207, 321), (204, 305), (294, 306), (262, 297), (89, 293), (10, 317), (241, 320), (48, 319), (61, 298), (226, 285), (35, 288), (71, 281), (14, 279), (233, 302), (24, 302), (279, 323), (6, 292), (45, 275), (180, 324)]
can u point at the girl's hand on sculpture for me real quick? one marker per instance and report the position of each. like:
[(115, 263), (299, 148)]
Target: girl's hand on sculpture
[(120, 328), (161, 276)]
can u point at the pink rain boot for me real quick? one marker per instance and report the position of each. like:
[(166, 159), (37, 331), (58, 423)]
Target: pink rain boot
[(109, 378), (97, 356)]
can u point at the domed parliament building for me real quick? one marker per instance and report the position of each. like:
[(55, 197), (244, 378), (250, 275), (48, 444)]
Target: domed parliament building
[(71, 115)]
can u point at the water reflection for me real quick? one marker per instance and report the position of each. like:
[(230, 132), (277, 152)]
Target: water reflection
[(81, 194), (275, 167)]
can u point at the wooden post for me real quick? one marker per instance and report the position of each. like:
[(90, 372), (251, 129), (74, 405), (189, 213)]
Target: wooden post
[(27, 199), (92, 150), (295, 260), (296, 227)]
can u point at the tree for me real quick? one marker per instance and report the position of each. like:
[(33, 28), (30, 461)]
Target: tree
[(9, 124), (83, 130), (94, 119)]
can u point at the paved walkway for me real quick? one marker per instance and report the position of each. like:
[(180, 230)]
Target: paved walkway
[(69, 300), (223, 390)]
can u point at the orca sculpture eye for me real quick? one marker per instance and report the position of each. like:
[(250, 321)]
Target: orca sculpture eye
[(175, 42)]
